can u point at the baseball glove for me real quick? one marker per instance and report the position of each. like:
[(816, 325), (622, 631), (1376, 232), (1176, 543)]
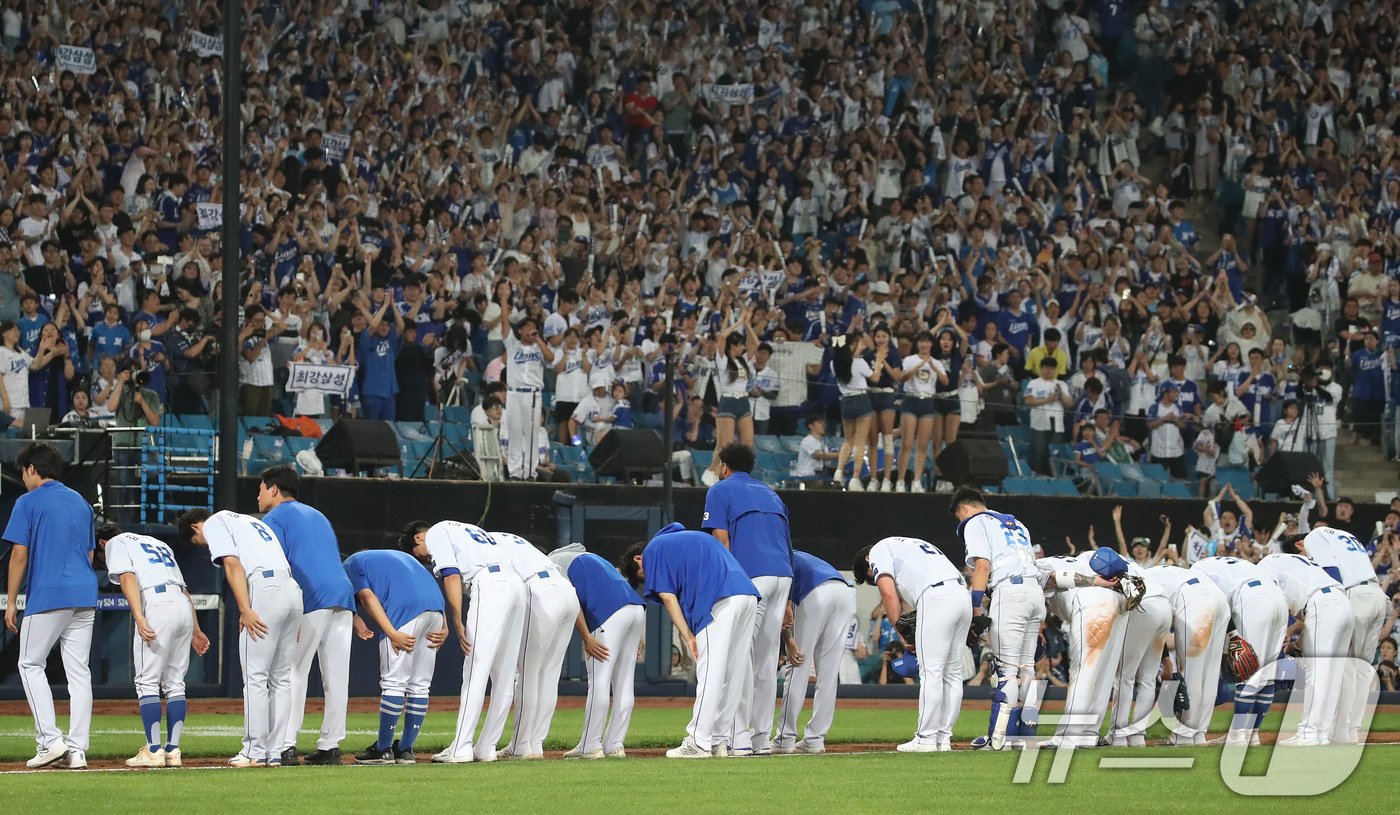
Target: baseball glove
[(1133, 588), (1239, 662), (1182, 702), (906, 625), (976, 632)]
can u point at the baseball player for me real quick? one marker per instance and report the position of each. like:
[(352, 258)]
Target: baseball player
[(166, 629), (1083, 593), (314, 553), (1003, 563), (50, 533), (1341, 555), (550, 610), (712, 603), (463, 556), (1200, 616), (526, 355), (749, 518), (1260, 613), (920, 573), (1144, 638), (269, 614), (1320, 602), (610, 625), (401, 598), (823, 611)]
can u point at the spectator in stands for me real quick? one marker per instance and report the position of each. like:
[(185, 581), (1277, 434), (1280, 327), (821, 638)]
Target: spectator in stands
[(376, 351), (853, 373), (413, 368), (255, 375), (15, 363), (50, 372), (191, 351), (1166, 421), (1368, 387), (84, 414), (1047, 397), (813, 455)]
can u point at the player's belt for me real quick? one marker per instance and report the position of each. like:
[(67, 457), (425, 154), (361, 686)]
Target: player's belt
[(1193, 581), (1326, 589), (1371, 582), (1254, 584), (161, 589), (538, 576), (266, 573), (950, 581), (524, 390)]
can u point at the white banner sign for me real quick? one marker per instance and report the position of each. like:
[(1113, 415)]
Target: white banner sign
[(206, 45), (332, 379), (77, 59), (730, 94), (211, 215), (336, 145)]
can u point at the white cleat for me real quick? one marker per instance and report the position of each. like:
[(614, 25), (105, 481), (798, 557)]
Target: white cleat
[(737, 752), (148, 759), (618, 753), (945, 747), (721, 750), (46, 756), (1254, 739), (915, 746), (172, 758), (242, 761), (811, 749), (1301, 741), (75, 760), (578, 754), (784, 750), (689, 749), (446, 757)]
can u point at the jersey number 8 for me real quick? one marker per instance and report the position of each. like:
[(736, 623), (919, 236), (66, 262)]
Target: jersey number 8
[(158, 554)]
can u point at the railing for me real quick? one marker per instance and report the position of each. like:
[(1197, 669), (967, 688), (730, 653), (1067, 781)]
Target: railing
[(177, 463)]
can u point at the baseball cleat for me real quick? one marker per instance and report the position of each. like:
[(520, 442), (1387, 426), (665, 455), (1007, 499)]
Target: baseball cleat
[(147, 758), (75, 760), (1254, 739), (689, 749), (784, 750), (945, 747), (916, 746), (811, 749), (618, 753), (290, 757), (763, 751), (172, 757), (322, 758), (242, 760), (373, 755), (46, 756), (446, 757), (1300, 741), (270, 762), (738, 752), (578, 754), (402, 756), (486, 758)]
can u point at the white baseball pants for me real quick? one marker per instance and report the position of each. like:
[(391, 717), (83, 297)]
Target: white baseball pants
[(267, 664), (38, 634), (1144, 638), (521, 417), (1370, 607), (1327, 628), (1017, 610), (495, 624), (819, 625), (1200, 621), (162, 665), (1260, 612), (753, 718), (723, 647), (1096, 628), (610, 682), (410, 673), (551, 608), (325, 633), (945, 613)]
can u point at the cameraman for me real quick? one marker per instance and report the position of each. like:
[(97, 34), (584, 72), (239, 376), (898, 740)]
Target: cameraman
[(134, 404), (1318, 396), (255, 374), (192, 354)]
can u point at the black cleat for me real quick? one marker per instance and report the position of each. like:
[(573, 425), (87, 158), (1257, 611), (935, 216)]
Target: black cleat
[(373, 755), (402, 756), (290, 758), (325, 758)]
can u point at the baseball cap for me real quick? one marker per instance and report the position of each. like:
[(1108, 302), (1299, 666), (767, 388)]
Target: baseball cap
[(1107, 563), (879, 287)]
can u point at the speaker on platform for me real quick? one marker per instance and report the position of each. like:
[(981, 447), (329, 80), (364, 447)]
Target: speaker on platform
[(359, 444), (972, 461), (1283, 470), (626, 453)]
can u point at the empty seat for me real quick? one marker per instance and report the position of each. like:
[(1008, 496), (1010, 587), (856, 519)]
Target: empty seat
[(1021, 433), (768, 444), (1149, 488), (1176, 489), (1018, 485), (1122, 488)]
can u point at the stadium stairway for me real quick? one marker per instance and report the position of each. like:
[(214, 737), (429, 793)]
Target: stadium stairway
[(1362, 471)]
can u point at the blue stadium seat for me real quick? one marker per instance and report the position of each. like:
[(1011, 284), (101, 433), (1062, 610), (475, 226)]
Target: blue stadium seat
[(431, 413), (1108, 470), (1150, 488), (1063, 487), (1017, 485), (792, 443), (1122, 488), (267, 451), (197, 421), (458, 413), (1176, 489), (1021, 433), (1155, 472), (767, 444), (170, 420), (701, 459), (1239, 478)]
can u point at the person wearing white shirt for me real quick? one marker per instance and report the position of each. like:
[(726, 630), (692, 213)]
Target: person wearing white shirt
[(1047, 398), (812, 453), (269, 616), (526, 355), (1165, 420), (918, 573), (570, 381), (852, 380), (1288, 435), (763, 389)]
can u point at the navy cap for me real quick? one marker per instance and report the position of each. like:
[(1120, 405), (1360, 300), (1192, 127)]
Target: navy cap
[(1108, 564)]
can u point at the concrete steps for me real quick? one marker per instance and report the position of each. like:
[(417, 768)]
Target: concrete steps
[(1362, 471)]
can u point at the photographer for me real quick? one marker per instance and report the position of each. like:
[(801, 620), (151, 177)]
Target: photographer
[(255, 374), (1318, 396), (192, 355), (134, 404)]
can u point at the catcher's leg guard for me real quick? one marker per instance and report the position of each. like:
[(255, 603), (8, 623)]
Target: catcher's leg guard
[(1013, 725), (999, 719)]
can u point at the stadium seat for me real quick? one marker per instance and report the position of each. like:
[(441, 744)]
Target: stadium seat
[(1121, 487), (1176, 489), (1021, 433), (701, 460), (1108, 470), (792, 443), (1062, 460), (1062, 486), (1237, 477), (767, 444), (267, 451), (1155, 472), (1018, 485), (170, 420), (1149, 488), (460, 414), (197, 421)]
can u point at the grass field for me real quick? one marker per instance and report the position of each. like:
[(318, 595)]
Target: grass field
[(836, 782)]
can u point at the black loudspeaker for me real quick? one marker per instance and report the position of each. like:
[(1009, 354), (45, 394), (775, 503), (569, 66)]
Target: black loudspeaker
[(972, 461), (625, 453), (359, 444), (1283, 470)]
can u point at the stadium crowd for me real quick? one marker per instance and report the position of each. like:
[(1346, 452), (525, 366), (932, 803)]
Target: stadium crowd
[(873, 216)]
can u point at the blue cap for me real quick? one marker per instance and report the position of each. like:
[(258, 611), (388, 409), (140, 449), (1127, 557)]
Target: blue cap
[(1107, 563), (906, 666)]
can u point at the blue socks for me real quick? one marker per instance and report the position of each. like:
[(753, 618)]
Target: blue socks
[(175, 714), (415, 710), (389, 709), (150, 721), (1262, 702)]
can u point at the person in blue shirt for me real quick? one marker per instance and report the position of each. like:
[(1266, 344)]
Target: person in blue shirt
[(402, 599), (327, 608), (823, 619), (1188, 393), (712, 604), (749, 518), (610, 624), (1256, 392), (1016, 326), (111, 337), (31, 322), (1368, 389), (379, 346), (52, 538)]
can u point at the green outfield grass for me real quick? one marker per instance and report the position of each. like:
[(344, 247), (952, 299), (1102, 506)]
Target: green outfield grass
[(219, 734)]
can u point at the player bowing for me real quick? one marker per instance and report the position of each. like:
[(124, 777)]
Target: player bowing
[(823, 610), (166, 629), (1200, 618), (923, 575), (269, 614)]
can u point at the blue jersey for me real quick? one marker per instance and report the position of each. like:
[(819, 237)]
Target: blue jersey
[(314, 555), (757, 523), (697, 569), (1016, 329), (109, 340), (1368, 375), (29, 328), (55, 523), (808, 572), (601, 590), (404, 588), (376, 356)]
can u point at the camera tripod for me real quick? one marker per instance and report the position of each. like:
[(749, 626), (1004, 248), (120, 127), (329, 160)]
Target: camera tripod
[(434, 457)]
